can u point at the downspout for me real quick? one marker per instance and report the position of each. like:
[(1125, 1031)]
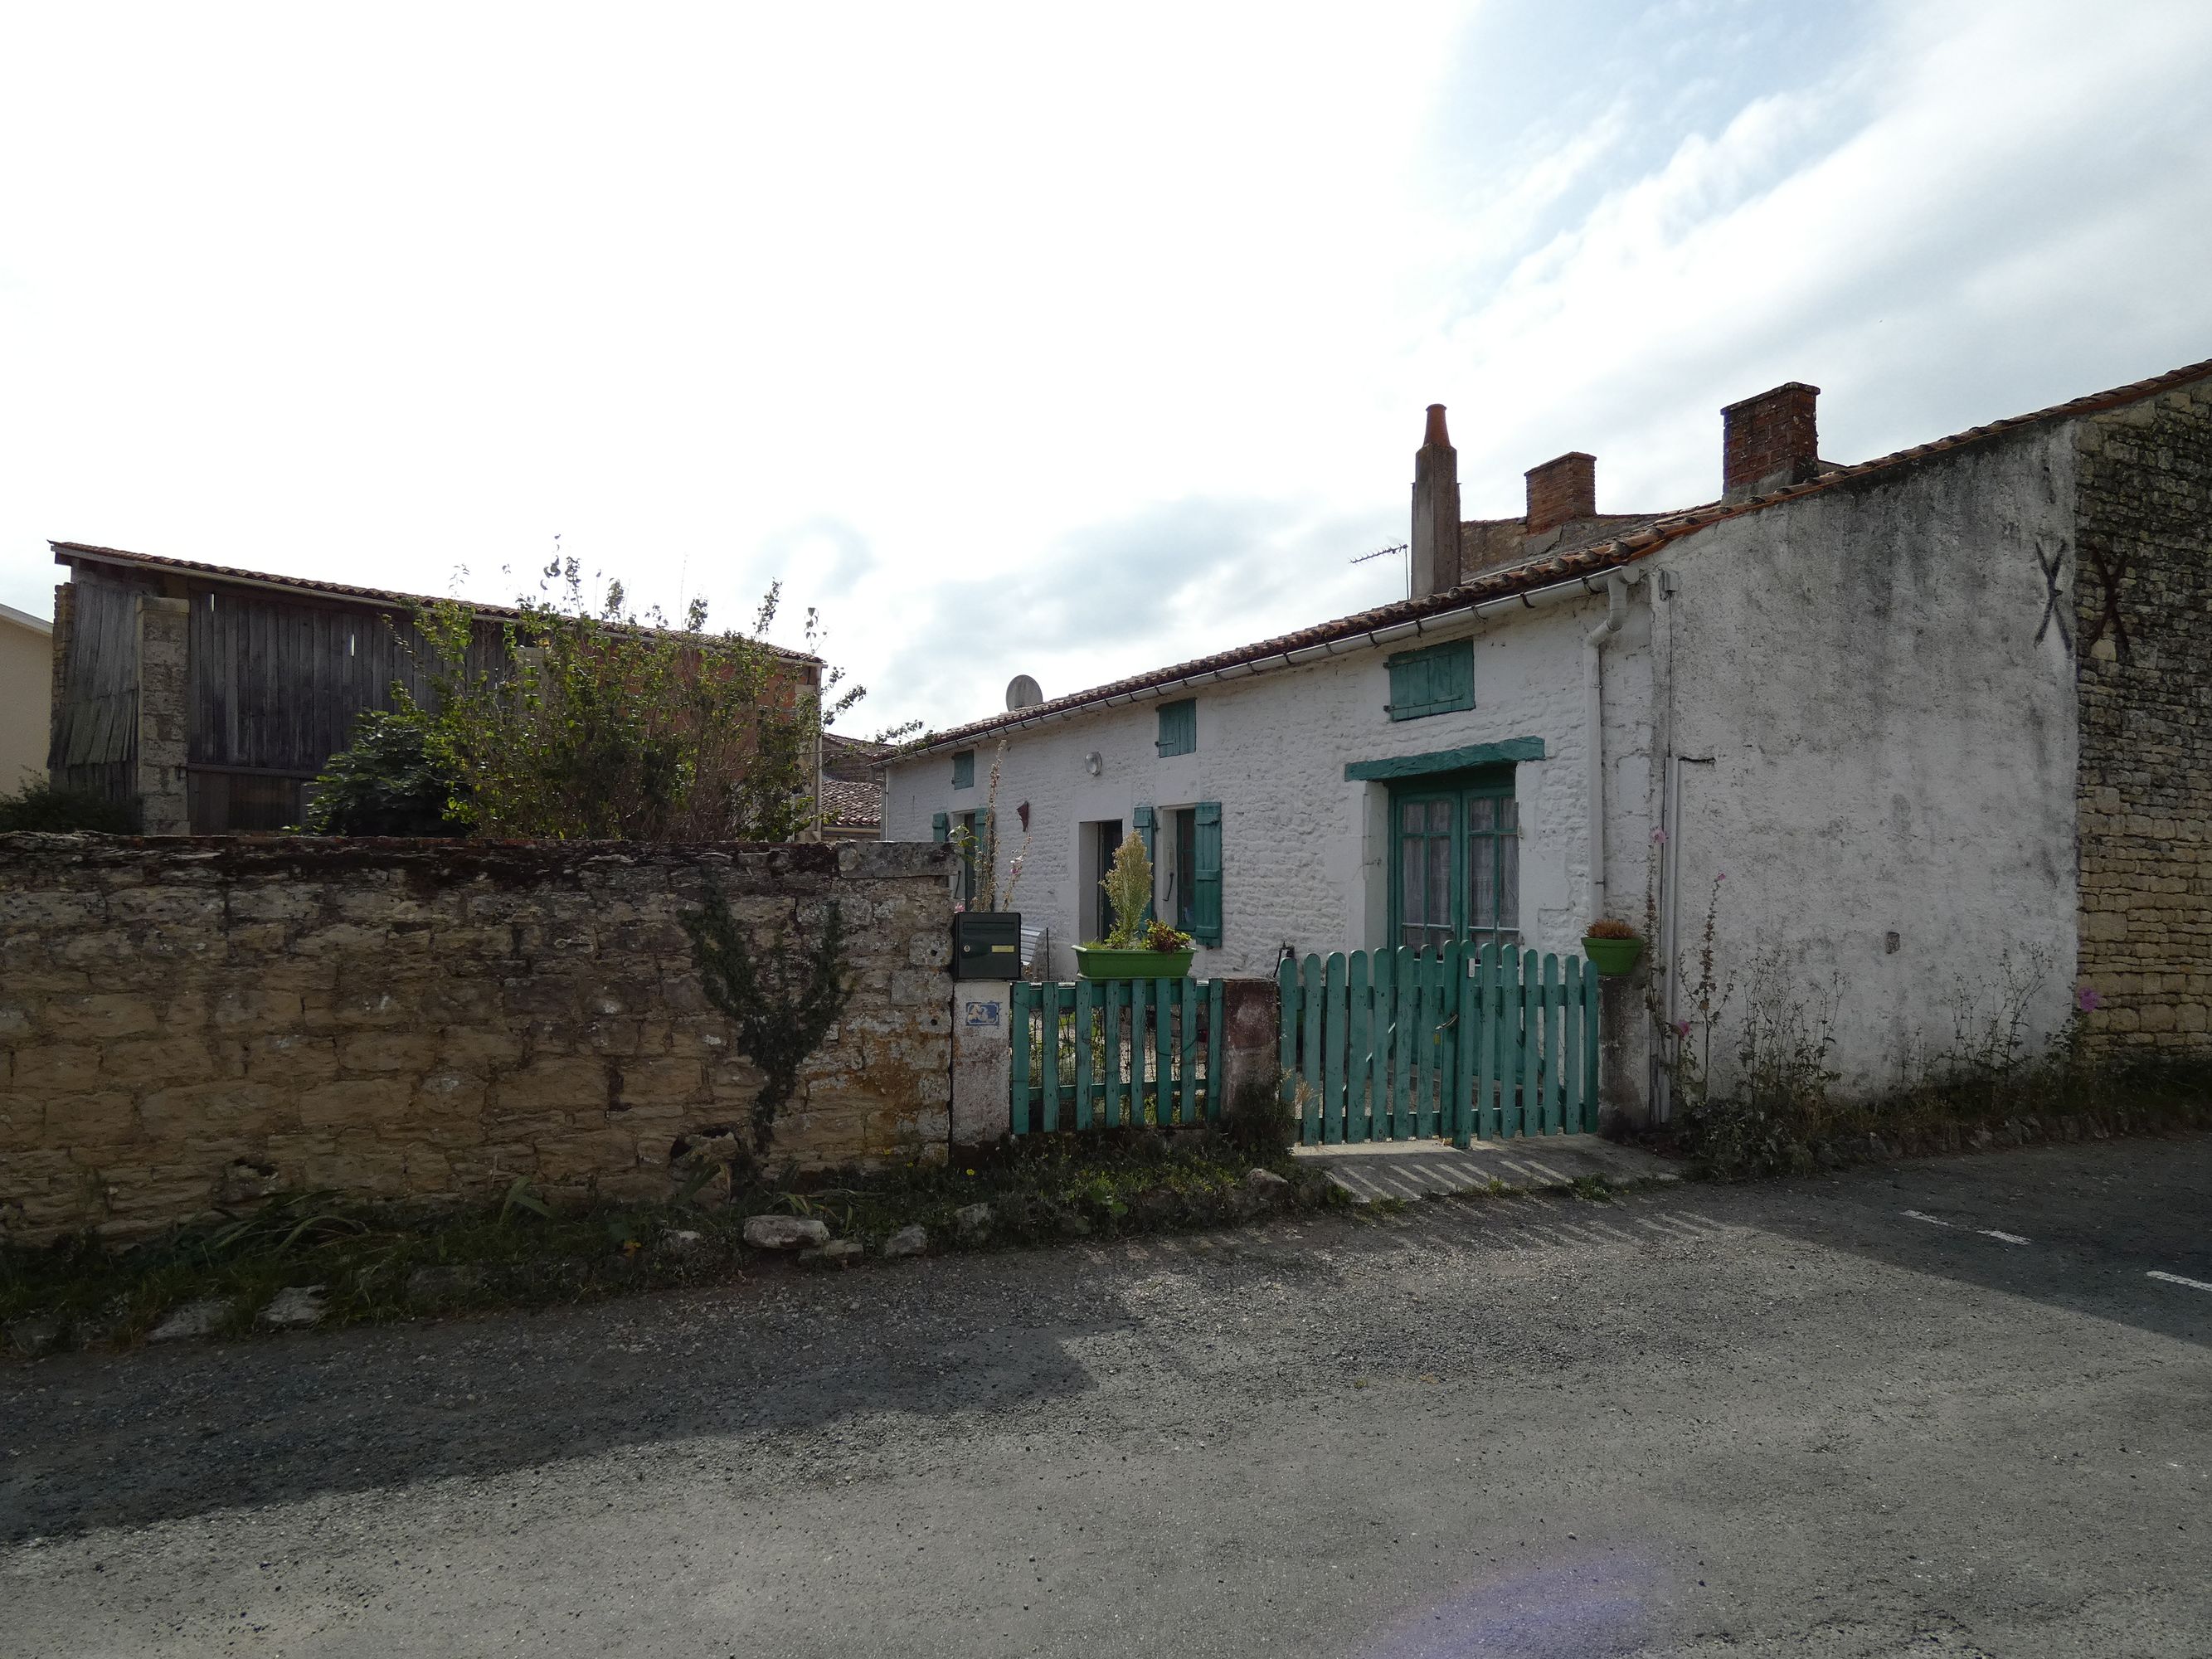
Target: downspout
[(1616, 613)]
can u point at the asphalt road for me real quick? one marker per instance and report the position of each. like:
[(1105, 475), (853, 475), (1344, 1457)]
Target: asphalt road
[(1796, 1418)]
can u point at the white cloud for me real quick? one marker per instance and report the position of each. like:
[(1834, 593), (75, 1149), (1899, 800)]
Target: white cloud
[(958, 319)]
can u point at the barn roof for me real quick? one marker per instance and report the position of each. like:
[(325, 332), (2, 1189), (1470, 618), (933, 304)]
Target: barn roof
[(73, 553)]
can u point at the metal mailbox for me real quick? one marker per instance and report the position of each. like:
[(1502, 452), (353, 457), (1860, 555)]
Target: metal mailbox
[(987, 944)]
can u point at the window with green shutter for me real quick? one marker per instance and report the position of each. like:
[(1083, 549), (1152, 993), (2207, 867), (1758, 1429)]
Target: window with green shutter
[(1205, 872), (964, 769), (1432, 681), (1179, 727), (1147, 823)]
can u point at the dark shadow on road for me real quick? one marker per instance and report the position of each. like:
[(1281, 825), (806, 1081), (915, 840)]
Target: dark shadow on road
[(92, 1441)]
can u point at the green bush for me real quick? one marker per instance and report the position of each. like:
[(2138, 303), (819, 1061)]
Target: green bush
[(39, 806), (395, 781)]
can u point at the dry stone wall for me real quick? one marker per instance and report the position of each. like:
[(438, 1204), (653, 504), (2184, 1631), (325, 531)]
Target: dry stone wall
[(2142, 594), (187, 1022)]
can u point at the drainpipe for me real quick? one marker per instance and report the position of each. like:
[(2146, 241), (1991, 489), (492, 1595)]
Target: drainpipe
[(1616, 613)]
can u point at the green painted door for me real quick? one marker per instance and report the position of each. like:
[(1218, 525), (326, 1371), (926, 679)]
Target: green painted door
[(1454, 860)]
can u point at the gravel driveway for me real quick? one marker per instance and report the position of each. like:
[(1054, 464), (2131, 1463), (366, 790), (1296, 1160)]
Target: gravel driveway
[(1944, 1409)]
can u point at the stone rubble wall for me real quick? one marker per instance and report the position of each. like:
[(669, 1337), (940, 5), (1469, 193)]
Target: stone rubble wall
[(2142, 568), (187, 1022)]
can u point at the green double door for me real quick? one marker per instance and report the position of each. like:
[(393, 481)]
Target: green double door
[(1454, 860)]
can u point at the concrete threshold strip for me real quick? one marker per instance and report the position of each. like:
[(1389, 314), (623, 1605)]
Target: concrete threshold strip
[(1410, 1170)]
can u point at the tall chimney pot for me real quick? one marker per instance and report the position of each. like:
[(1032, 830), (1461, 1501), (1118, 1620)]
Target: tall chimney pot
[(1769, 442), (1435, 540)]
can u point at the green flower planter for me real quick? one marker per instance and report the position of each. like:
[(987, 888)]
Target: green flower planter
[(1614, 957), (1097, 962)]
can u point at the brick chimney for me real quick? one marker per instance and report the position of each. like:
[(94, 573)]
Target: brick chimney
[(1436, 510), (1768, 441), (1561, 490)]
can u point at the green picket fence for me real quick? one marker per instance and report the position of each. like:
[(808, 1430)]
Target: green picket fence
[(1110, 1052), (1459, 1043)]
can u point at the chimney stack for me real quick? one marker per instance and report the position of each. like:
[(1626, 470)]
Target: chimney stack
[(1435, 539), (1769, 442), (1562, 490)]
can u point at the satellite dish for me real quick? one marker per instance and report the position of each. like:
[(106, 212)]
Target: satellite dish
[(1023, 692)]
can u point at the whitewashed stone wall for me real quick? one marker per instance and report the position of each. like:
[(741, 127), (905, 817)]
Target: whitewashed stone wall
[(1304, 853), (1877, 745)]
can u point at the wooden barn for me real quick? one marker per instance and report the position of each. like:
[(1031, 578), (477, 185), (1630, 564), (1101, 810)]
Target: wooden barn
[(213, 697)]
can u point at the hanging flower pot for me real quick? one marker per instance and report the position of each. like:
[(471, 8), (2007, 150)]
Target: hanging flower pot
[(1613, 947)]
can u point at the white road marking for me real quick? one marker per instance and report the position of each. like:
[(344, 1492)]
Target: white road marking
[(2176, 1278), (1986, 1232)]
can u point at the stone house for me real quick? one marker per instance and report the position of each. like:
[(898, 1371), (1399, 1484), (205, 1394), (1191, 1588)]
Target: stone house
[(25, 688), (1928, 733), (214, 696)]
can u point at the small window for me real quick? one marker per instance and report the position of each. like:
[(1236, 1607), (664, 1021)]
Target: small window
[(964, 769), (1179, 727), (1434, 681)]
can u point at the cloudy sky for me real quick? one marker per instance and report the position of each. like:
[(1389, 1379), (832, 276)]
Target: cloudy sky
[(1046, 339)]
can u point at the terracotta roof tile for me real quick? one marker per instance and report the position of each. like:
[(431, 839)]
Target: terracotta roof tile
[(1587, 560), (70, 552)]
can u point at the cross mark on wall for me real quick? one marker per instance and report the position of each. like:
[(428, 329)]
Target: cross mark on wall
[(2050, 554), (2111, 571)]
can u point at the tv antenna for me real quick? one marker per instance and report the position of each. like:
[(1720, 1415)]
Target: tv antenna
[(1384, 553)]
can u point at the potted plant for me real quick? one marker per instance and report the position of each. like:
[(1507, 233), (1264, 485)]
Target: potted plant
[(1136, 949), (1613, 946)]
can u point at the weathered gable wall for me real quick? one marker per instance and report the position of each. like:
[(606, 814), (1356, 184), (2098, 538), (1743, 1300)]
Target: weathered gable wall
[(1879, 741), (187, 1020), (2141, 610)]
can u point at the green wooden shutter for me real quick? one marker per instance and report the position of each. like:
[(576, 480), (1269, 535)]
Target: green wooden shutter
[(1147, 825), (1205, 875), (1433, 681), (964, 769), (1178, 728), (940, 827)]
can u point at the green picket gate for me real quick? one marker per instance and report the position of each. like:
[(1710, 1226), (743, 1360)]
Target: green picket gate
[(1113, 1052), (1460, 1043)]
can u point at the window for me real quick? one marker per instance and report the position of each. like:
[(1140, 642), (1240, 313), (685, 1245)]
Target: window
[(1456, 861), (1179, 873), (1104, 839), (971, 833), (1434, 681), (971, 849), (1179, 727), (964, 769), (1191, 871)]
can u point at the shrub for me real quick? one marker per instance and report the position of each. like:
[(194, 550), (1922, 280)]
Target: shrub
[(1128, 888), (38, 805), (396, 779)]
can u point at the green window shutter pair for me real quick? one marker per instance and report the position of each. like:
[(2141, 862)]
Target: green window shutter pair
[(1434, 681), (1179, 727), (1205, 875), (964, 769), (940, 827), (1147, 823)]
